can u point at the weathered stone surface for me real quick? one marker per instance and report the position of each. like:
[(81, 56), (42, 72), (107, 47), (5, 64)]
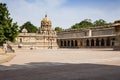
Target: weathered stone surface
[(117, 31)]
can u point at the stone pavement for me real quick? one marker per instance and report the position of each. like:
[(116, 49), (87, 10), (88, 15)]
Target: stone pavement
[(63, 64)]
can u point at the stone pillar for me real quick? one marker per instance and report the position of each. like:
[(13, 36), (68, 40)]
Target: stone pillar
[(105, 43), (90, 32), (67, 43), (62, 43), (111, 42), (59, 41), (94, 42), (70, 44), (78, 43), (83, 43), (117, 33), (90, 42), (100, 42), (73, 43)]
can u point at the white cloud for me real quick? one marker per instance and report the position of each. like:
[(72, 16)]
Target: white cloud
[(61, 15)]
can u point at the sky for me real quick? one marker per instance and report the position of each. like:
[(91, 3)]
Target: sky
[(62, 13)]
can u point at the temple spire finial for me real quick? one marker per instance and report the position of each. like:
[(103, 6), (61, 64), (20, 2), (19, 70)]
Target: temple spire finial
[(45, 15)]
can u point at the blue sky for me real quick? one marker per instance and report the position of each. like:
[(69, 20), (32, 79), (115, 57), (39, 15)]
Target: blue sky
[(63, 13)]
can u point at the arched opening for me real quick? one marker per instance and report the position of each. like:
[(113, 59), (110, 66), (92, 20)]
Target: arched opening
[(102, 42), (97, 42), (92, 42), (108, 42), (87, 42)]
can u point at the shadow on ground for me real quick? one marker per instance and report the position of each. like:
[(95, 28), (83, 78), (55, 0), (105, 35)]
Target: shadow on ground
[(59, 71)]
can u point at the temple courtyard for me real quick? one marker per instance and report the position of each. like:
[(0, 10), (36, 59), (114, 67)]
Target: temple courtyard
[(62, 64)]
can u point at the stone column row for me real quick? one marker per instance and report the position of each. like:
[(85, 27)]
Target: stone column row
[(68, 43), (93, 42), (101, 42)]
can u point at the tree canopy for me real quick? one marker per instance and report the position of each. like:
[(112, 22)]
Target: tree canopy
[(88, 23), (83, 24), (58, 29), (100, 22), (29, 26), (8, 29)]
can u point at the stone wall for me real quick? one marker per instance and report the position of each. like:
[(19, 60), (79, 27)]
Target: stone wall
[(38, 41), (103, 31), (102, 37), (86, 32)]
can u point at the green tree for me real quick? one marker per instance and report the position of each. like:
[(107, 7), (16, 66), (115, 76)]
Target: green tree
[(100, 22), (86, 23), (83, 24), (8, 30), (30, 27), (58, 29), (76, 26)]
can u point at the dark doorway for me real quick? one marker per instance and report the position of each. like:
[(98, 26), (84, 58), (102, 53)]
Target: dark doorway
[(61, 43), (72, 43), (69, 43), (87, 42), (108, 42), (102, 42), (65, 43), (92, 42)]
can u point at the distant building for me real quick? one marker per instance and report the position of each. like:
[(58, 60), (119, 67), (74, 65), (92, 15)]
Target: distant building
[(98, 37)]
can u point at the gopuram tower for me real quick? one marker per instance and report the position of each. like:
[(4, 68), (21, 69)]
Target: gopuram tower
[(49, 35), (46, 27)]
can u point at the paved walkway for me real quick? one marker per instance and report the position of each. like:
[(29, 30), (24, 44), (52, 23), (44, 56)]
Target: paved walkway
[(63, 64)]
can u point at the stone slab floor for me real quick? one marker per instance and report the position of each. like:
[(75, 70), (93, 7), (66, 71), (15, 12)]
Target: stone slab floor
[(62, 64)]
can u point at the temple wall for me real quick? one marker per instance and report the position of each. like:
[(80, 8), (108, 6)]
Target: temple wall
[(86, 33), (103, 37)]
